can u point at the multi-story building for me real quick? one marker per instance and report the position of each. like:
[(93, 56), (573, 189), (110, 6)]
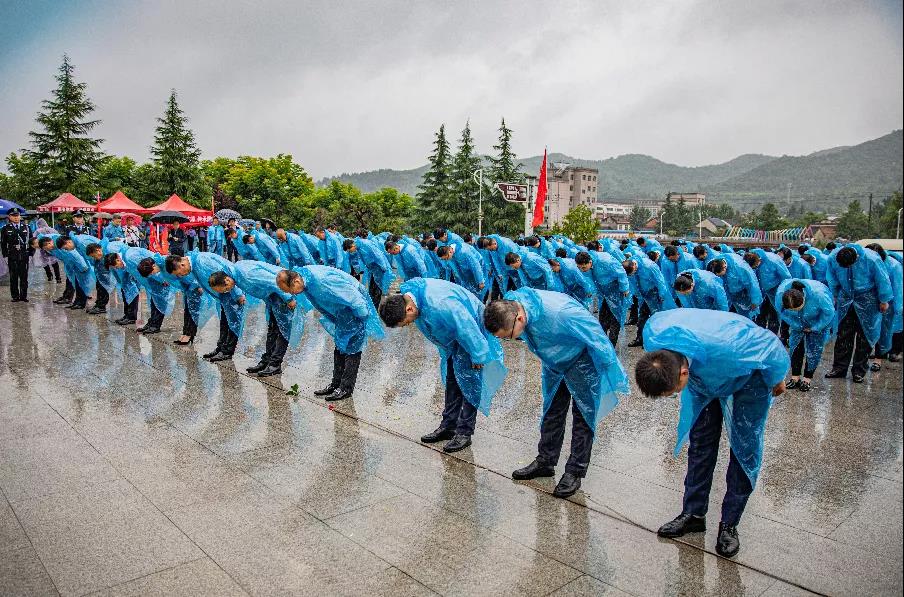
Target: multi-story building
[(613, 209), (567, 187)]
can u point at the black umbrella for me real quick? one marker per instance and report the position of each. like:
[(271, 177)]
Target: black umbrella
[(169, 217), (265, 222)]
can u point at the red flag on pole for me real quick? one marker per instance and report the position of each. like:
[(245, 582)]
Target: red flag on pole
[(541, 194)]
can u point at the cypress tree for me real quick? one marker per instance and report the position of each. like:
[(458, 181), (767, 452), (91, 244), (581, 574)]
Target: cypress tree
[(63, 152), (176, 158), (433, 193), (465, 195), (503, 217)]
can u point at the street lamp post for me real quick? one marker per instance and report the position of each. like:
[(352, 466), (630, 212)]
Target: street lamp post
[(478, 176), (898, 227)]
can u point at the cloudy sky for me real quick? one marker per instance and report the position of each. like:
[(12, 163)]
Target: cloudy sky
[(352, 86)]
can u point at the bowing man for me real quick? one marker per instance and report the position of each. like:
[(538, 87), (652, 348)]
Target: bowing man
[(409, 260), (217, 277), (700, 289), (532, 270), (466, 265), (128, 287), (806, 306)]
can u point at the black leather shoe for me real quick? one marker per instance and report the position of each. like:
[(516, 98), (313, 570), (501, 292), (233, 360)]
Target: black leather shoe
[(567, 486), (339, 394), (437, 436), (459, 442), (75, 307), (728, 544), (791, 384), (125, 321), (635, 344), (220, 357), (257, 368), (326, 391), (857, 378), (148, 331), (682, 525), (533, 470), (836, 374), (210, 354), (141, 329), (803, 386), (96, 310), (270, 370), (60, 301), (875, 367)]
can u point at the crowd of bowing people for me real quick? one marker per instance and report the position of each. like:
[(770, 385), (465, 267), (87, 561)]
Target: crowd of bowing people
[(721, 328)]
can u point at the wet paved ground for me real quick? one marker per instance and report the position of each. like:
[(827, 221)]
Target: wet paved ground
[(131, 466)]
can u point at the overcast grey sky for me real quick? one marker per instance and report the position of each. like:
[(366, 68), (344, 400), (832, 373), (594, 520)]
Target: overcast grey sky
[(353, 86)]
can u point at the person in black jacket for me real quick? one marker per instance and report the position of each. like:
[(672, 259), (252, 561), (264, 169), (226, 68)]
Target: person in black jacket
[(15, 243)]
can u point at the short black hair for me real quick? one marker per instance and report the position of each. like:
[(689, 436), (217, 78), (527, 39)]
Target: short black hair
[(630, 266), (553, 263), (532, 241), (878, 249), (560, 252), (110, 259), (483, 242), (519, 242), (467, 237), (809, 258), (390, 245), (347, 244), (441, 251), (671, 251), (831, 246), (500, 315), (752, 259), (593, 245), (700, 252), (684, 282), (217, 279), (61, 240), (717, 266), (793, 298), (232, 232), (146, 266), (92, 247), (431, 244), (45, 240), (394, 238), (641, 241), (802, 250), (583, 258), (438, 232), (392, 310), (245, 238), (658, 372), (230, 220), (512, 257), (846, 256), (171, 262), (653, 255), (786, 253)]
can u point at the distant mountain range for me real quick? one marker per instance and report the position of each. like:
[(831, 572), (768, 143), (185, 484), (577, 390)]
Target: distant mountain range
[(832, 177)]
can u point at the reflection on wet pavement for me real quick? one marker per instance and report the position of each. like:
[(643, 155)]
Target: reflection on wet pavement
[(130, 464)]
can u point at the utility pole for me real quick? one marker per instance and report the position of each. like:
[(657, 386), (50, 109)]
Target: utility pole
[(869, 216), (478, 176)]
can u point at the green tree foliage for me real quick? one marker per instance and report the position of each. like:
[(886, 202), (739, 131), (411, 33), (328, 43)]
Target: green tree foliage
[(501, 216), (804, 220), (23, 179), (723, 211), (274, 188), (854, 223), (465, 195), (64, 155), (579, 225), (349, 209), (676, 217), (885, 219), (639, 216), (176, 159), (120, 174), (767, 218), (435, 192)]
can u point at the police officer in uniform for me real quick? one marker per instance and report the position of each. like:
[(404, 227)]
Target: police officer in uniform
[(78, 226), (15, 242)]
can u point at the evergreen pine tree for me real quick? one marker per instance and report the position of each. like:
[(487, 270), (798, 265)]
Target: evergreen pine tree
[(435, 190), (503, 217), (64, 154), (465, 196), (176, 159)]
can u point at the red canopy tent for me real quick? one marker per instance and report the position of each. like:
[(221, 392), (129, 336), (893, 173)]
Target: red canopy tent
[(119, 203), (67, 202), (197, 216)]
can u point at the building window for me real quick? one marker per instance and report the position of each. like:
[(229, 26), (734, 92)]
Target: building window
[(571, 187)]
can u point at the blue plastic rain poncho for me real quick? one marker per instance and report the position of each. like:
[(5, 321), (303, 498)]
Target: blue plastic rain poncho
[(102, 275), (670, 269), (741, 285), (410, 262), (573, 281), (771, 272), (732, 360), (534, 271), (267, 247), (346, 311), (896, 255), (203, 264), (160, 292), (611, 283), (572, 347), (78, 268), (710, 255), (501, 271), (313, 245), (216, 239), (650, 287), (124, 279), (293, 252), (451, 239), (246, 251), (373, 256), (707, 293), (545, 249), (331, 252), (258, 279), (200, 305), (452, 319), (863, 285), (820, 265), (817, 315), (892, 318), (113, 232), (467, 266), (799, 268)]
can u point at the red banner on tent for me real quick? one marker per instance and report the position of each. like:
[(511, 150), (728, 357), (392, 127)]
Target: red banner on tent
[(541, 194)]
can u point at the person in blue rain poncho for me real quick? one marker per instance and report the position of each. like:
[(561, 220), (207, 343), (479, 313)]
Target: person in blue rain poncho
[(330, 249), (539, 245), (144, 266), (376, 264), (216, 237), (612, 289), (466, 266), (267, 247), (700, 289), (533, 270), (570, 279), (128, 287), (703, 254), (652, 292), (497, 247), (470, 358), (807, 307), (48, 242), (198, 306), (770, 271), (818, 263), (243, 244), (217, 277), (285, 314), (293, 252), (106, 282), (313, 245), (445, 237), (346, 313), (409, 260), (113, 231), (442, 269), (886, 347), (78, 270), (724, 368), (740, 282), (798, 268), (580, 369), (674, 262), (858, 280)]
